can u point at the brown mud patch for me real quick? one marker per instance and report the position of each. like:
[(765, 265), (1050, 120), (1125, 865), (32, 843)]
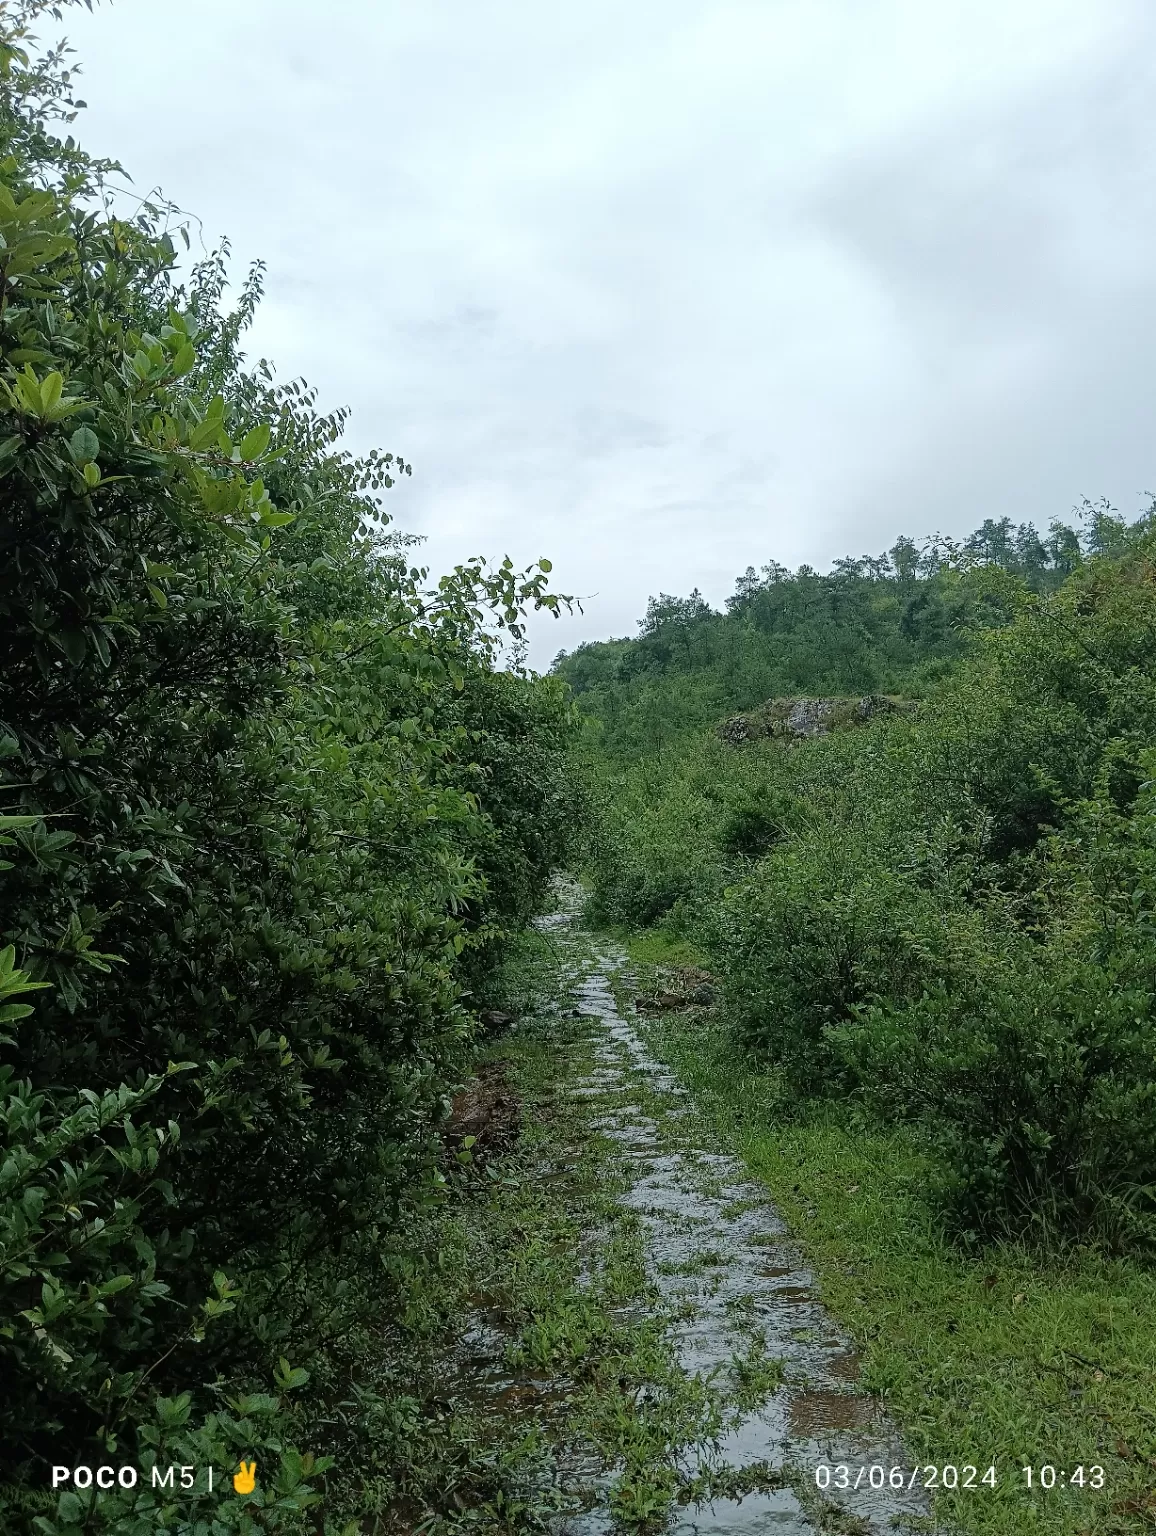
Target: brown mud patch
[(811, 1412), (677, 987), (486, 1109)]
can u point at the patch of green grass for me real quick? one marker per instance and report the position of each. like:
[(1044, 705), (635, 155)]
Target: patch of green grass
[(1000, 1358), (697, 1264), (644, 1413), (757, 1375), (535, 1255), (655, 946)]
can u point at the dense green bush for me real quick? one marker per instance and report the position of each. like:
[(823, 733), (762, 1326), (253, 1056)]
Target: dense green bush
[(271, 804), (1039, 1094), (946, 917), (967, 942), (820, 929), (1036, 1068)]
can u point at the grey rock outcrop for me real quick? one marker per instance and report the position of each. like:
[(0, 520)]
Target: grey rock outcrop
[(801, 719)]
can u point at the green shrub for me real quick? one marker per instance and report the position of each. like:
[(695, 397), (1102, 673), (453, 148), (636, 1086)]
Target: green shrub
[(271, 805), (653, 852), (819, 929), (1070, 1140), (966, 939), (1040, 1095)]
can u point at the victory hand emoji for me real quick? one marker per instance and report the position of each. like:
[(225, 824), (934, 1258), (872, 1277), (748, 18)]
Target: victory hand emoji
[(245, 1477)]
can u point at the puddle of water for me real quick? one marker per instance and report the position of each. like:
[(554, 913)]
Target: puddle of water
[(533, 1395), (791, 1295), (756, 1439), (812, 1413), (845, 1366), (750, 1516), (592, 1522), (691, 1204)]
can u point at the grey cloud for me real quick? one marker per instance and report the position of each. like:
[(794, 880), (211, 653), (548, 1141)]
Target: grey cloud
[(668, 289), (601, 432), (990, 213)]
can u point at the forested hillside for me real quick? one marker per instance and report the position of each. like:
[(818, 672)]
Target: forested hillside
[(940, 915), (271, 806), (894, 623)]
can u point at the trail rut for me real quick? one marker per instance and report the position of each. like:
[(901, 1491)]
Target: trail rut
[(723, 1262), (731, 1287)]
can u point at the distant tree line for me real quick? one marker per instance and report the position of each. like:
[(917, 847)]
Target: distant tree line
[(891, 623)]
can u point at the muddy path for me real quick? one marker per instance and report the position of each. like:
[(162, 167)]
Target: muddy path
[(749, 1405)]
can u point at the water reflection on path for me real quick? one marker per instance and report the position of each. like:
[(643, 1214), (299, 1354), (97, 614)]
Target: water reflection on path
[(722, 1259)]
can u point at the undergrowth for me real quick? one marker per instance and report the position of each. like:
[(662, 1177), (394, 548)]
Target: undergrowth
[(1011, 1355)]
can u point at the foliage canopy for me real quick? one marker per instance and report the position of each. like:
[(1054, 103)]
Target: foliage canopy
[(269, 805)]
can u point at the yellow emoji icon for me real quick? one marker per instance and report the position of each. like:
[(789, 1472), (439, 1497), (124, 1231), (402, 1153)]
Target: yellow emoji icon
[(245, 1477)]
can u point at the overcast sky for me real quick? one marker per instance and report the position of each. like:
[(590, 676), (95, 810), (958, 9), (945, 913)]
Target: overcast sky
[(666, 288)]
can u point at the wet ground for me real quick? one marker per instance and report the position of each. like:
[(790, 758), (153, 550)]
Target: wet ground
[(729, 1278)]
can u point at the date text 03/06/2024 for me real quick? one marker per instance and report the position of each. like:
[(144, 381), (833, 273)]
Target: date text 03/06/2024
[(1044, 1476)]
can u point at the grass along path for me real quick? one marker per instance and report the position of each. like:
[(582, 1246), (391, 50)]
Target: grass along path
[(615, 1334), (744, 1315), (1000, 1359)]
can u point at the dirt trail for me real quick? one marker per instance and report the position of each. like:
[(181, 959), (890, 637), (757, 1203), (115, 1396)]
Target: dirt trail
[(724, 1263), (750, 1406)]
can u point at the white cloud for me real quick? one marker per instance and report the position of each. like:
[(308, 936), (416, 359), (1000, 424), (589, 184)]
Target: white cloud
[(667, 289)]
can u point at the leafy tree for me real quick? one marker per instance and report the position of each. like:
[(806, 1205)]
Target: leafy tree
[(269, 813)]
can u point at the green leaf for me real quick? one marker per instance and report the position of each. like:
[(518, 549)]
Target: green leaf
[(288, 1377), (74, 645), (254, 443), (69, 1508), (204, 433), (50, 390), (84, 445)]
